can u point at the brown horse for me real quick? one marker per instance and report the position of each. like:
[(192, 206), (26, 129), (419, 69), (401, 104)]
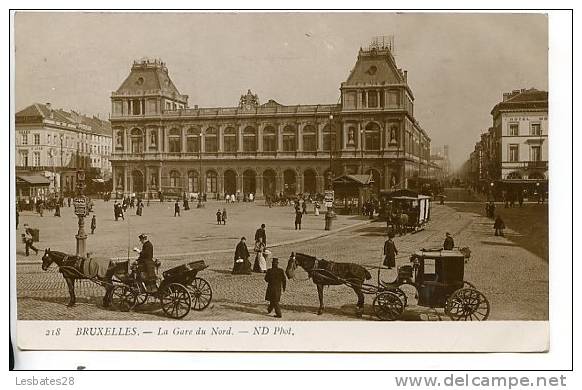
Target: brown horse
[(325, 273), (74, 267)]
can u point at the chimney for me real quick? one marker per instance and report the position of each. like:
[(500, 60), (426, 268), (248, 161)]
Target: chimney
[(406, 76)]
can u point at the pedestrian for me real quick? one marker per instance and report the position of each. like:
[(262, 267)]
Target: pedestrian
[(219, 216), (69, 201), (241, 259), (93, 224), (116, 210), (261, 233), (304, 207), (316, 208), (186, 203), (224, 216), (17, 216), (40, 208), (491, 209), (499, 225), (276, 284), (139, 209), (260, 264), (176, 209), (298, 217), (57, 210), (403, 223), (520, 198), (251, 197), (390, 252), (28, 240), (449, 243)]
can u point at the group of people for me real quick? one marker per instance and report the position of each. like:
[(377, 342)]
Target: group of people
[(236, 198), (221, 216), (498, 225), (390, 250)]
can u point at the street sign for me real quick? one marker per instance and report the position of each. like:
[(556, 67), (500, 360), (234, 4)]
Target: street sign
[(328, 197), (80, 204)]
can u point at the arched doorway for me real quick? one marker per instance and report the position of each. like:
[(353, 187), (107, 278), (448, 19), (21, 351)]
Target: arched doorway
[(289, 182), (309, 182), (229, 182), (269, 182), (249, 182), (137, 181)]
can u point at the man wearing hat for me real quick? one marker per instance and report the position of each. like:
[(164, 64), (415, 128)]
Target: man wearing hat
[(275, 278), (449, 243), (390, 252), (145, 262)]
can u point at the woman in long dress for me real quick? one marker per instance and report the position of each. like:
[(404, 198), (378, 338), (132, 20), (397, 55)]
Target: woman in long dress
[(260, 264)]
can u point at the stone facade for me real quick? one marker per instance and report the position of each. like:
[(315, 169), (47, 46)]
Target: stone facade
[(160, 144)]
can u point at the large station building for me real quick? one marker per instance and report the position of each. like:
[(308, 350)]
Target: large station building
[(162, 144)]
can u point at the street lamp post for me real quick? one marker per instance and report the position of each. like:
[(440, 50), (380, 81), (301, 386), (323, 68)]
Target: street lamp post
[(81, 211), (329, 214), (61, 184), (361, 151)]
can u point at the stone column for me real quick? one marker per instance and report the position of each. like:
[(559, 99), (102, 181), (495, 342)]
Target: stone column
[(126, 146), (387, 177), (299, 183), (259, 186), (146, 177), (182, 140), (299, 133), (319, 135), (239, 138), (239, 181), (114, 177), (159, 178), (260, 138), (279, 137), (344, 141), (220, 135), (202, 141), (125, 179)]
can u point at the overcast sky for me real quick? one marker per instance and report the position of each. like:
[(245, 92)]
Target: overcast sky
[(458, 64)]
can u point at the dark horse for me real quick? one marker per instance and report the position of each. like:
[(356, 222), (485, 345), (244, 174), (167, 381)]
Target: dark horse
[(75, 267), (325, 272)]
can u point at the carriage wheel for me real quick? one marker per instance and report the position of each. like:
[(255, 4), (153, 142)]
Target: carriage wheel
[(141, 299), (175, 300), (123, 298), (388, 306), (201, 294), (401, 294), (467, 304)]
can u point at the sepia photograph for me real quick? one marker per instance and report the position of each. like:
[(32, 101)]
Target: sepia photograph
[(194, 178)]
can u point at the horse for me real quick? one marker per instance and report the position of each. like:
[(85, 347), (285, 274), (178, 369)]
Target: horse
[(325, 273), (75, 267)]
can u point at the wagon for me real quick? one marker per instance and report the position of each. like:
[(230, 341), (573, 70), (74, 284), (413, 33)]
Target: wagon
[(179, 290), (438, 277)]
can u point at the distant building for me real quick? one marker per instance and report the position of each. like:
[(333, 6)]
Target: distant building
[(441, 159), (161, 144), (513, 153), (54, 143)]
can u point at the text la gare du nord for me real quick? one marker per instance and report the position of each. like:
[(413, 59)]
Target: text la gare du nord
[(183, 331)]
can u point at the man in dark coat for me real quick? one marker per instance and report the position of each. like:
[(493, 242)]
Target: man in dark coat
[(176, 209), (146, 264), (499, 225), (390, 252), (261, 233), (57, 210), (94, 224), (242, 264), (276, 281), (298, 217), (449, 243)]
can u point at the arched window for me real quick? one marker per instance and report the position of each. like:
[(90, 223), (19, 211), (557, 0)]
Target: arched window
[(250, 139), (372, 136), (269, 139), (175, 141), (193, 182), (193, 140), (211, 140), (136, 141), (175, 179), (328, 139), (211, 182), (230, 140), (309, 139), (289, 139)]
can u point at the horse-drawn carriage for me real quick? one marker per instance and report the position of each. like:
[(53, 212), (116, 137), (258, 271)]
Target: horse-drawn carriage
[(436, 275), (178, 290)]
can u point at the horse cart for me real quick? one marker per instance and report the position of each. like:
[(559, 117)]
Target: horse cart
[(438, 277), (179, 290)]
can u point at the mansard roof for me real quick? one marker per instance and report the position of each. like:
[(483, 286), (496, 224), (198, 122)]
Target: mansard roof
[(375, 66)]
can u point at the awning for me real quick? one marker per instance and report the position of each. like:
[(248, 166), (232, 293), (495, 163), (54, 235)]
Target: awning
[(33, 179)]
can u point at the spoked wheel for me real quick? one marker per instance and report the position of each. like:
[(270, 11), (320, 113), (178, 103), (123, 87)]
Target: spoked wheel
[(175, 300), (388, 306), (467, 304), (401, 294), (141, 299), (201, 294), (123, 298)]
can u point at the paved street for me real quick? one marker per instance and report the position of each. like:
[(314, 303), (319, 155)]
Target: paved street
[(512, 274)]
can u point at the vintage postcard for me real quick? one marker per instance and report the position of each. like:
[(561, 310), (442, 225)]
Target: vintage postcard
[(281, 181)]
